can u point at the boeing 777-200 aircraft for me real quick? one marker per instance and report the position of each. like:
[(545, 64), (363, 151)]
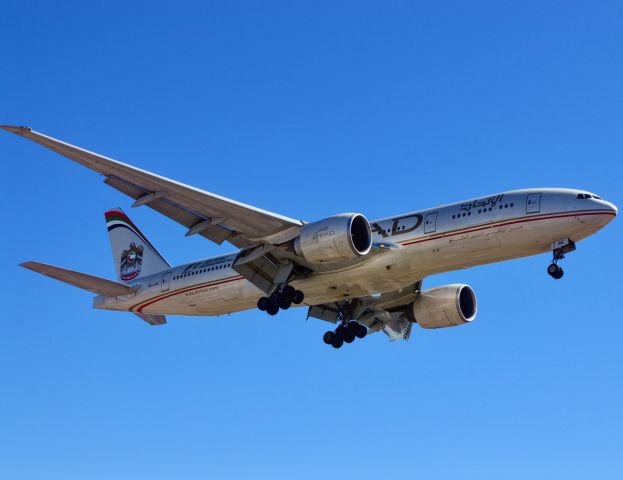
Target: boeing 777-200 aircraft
[(362, 275)]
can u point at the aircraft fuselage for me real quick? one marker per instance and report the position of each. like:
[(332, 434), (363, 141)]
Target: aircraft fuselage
[(475, 232)]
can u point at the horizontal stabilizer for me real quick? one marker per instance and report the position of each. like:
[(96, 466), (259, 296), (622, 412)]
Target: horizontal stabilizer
[(152, 318), (91, 283)]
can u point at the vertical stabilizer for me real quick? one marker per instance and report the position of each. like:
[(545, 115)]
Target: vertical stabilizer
[(134, 256)]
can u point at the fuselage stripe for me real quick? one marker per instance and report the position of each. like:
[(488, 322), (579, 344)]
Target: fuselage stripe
[(579, 213), (211, 283), (503, 223)]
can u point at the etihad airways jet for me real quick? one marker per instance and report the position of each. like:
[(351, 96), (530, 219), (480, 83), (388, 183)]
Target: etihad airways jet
[(362, 275)]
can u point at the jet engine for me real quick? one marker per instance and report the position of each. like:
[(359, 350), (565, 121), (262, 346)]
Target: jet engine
[(441, 307), (335, 239)]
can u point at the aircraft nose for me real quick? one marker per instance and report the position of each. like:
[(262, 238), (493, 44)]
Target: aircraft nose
[(612, 207), (608, 206)]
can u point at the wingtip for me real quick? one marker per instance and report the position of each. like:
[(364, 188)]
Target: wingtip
[(28, 264), (19, 130)]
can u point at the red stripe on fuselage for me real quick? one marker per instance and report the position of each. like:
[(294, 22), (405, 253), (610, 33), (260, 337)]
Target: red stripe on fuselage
[(503, 223), (499, 223), (185, 290)]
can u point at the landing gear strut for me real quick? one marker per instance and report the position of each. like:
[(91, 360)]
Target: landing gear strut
[(346, 332), (280, 299), (559, 249)]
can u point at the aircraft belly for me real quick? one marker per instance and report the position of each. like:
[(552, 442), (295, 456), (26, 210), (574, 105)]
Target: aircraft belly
[(208, 300), (381, 273)]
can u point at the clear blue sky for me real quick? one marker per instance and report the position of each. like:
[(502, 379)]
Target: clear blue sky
[(310, 109)]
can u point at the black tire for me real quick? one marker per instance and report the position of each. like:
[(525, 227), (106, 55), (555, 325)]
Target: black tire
[(262, 304), (298, 297), (361, 331), (552, 269), (352, 326), (285, 304), (328, 338), (272, 308), (288, 292), (275, 297), (555, 271), (340, 331), (349, 336), (337, 342)]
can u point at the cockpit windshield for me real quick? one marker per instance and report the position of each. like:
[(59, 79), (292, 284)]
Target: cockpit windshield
[(584, 196)]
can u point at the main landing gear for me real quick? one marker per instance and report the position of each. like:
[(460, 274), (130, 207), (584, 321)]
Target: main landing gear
[(280, 299), (559, 249), (346, 332)]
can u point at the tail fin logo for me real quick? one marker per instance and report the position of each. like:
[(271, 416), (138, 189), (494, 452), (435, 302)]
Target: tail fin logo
[(131, 262)]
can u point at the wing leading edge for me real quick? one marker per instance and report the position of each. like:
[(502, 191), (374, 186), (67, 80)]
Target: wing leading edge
[(212, 216)]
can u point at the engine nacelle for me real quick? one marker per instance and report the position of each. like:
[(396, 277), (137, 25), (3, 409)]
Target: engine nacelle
[(441, 307), (335, 239)]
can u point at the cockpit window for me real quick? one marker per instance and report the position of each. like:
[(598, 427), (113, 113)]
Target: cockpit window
[(584, 196)]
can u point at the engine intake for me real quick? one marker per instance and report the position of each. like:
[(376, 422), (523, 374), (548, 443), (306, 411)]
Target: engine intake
[(335, 239), (441, 307)]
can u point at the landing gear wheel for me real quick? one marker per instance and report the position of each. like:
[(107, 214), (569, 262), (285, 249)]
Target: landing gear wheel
[(288, 292), (328, 338), (350, 332), (352, 326), (340, 331), (262, 304), (349, 336), (337, 342), (275, 297), (298, 297), (284, 304), (361, 331), (555, 271), (272, 308)]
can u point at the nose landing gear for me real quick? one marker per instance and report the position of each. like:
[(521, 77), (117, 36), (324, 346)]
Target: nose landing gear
[(555, 271), (280, 299), (346, 332), (559, 249)]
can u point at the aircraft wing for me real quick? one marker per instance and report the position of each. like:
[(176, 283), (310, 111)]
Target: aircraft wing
[(212, 216)]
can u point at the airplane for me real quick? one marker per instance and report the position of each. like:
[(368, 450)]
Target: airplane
[(362, 276)]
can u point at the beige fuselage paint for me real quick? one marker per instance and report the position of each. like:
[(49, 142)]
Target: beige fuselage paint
[(475, 232)]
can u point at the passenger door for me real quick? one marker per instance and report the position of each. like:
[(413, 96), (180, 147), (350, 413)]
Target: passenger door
[(165, 281), (430, 223), (533, 203)]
